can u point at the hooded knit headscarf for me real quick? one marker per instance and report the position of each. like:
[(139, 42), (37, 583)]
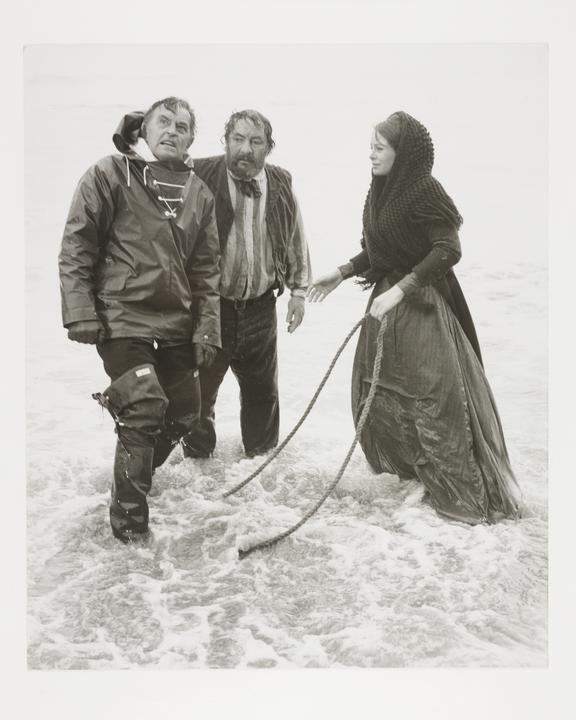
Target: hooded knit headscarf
[(406, 197)]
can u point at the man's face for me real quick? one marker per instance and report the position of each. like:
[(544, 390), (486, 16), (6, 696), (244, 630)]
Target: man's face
[(246, 149), (168, 134)]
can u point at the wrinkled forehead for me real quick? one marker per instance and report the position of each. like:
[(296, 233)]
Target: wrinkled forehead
[(181, 114), (249, 128)]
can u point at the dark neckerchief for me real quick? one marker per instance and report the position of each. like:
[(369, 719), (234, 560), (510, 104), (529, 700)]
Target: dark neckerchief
[(250, 188)]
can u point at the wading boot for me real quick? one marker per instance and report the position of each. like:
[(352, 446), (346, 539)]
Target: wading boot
[(131, 484), (137, 404)]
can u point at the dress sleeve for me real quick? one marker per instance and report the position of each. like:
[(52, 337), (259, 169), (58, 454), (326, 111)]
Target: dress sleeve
[(444, 252), (360, 262)]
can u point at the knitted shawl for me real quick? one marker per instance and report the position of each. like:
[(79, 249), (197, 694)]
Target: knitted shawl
[(398, 203)]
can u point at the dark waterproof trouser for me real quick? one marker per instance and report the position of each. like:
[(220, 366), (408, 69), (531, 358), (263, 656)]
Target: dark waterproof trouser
[(155, 394), (249, 348)]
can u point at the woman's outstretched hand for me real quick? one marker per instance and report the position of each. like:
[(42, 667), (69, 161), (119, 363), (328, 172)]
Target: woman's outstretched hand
[(385, 302), (323, 286)]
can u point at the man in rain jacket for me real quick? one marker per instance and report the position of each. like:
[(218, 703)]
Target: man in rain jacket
[(264, 249), (139, 277)]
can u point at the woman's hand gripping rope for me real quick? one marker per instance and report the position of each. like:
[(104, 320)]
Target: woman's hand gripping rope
[(376, 373)]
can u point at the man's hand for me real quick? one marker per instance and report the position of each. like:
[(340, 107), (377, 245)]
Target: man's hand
[(295, 313), (88, 332), (385, 302), (204, 354)]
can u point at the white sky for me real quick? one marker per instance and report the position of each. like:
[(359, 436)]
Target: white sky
[(484, 104)]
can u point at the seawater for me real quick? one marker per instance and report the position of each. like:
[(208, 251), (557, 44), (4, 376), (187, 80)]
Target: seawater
[(374, 579)]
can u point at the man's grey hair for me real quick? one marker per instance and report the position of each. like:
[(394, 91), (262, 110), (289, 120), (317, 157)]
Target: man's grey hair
[(253, 116), (173, 104)]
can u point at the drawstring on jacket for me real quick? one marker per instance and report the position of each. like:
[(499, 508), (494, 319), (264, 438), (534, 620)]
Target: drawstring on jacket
[(170, 212), (127, 170)]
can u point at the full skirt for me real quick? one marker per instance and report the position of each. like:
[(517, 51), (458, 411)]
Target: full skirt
[(433, 416)]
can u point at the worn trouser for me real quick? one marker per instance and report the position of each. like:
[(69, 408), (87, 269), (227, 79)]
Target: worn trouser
[(155, 396), (249, 348)]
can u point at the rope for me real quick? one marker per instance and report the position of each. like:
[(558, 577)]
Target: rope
[(366, 409), (105, 403), (304, 416)]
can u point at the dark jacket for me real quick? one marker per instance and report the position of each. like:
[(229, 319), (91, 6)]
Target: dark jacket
[(141, 272), (291, 257), (281, 216)]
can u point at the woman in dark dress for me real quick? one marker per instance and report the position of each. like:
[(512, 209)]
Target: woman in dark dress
[(433, 416)]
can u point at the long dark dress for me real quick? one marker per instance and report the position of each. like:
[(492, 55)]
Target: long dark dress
[(433, 416)]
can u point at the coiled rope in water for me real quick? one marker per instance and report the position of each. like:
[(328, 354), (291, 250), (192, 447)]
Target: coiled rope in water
[(375, 374)]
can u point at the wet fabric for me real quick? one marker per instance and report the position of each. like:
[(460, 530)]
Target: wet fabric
[(155, 394), (249, 335), (433, 417), (138, 403), (132, 480), (247, 266), (176, 377), (285, 230), (144, 266), (283, 221)]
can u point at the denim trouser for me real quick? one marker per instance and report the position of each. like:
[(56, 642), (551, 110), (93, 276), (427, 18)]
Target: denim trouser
[(249, 348)]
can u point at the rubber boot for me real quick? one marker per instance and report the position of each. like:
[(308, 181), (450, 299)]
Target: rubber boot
[(138, 404), (162, 448), (131, 484)]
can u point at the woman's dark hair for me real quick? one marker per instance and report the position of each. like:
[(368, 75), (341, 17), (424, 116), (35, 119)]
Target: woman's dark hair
[(391, 129)]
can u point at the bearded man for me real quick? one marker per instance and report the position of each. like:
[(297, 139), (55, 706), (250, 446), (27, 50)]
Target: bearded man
[(263, 250)]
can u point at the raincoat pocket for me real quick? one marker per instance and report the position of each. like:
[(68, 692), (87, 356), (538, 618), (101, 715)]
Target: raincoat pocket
[(113, 278)]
